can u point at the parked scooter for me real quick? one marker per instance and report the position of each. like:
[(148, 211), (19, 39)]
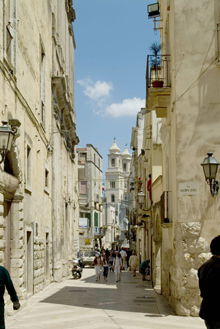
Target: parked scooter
[(77, 268)]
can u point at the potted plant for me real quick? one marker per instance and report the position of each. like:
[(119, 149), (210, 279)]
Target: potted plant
[(155, 64)]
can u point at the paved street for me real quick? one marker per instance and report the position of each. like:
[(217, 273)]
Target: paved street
[(85, 303)]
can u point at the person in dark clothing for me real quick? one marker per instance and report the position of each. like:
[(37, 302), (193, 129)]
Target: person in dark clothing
[(144, 269), (5, 281), (209, 284)]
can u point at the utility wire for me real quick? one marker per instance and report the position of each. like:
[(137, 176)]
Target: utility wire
[(195, 81)]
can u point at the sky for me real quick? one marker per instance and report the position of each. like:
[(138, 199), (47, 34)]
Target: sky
[(113, 38)]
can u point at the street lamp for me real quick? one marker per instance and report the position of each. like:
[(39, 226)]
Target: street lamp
[(6, 138), (210, 167), (141, 198)]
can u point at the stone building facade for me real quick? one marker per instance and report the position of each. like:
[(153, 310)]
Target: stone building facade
[(90, 198), (116, 205), (187, 100), (38, 180)]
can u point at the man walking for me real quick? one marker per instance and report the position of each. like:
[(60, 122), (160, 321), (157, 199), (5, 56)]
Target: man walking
[(117, 265), (5, 281), (124, 257), (209, 284)]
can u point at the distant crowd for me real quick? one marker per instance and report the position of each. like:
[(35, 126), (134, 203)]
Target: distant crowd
[(117, 260)]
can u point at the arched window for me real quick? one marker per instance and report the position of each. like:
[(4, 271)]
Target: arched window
[(113, 162), (124, 167), (112, 198)]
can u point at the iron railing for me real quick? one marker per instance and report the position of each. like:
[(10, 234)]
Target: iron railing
[(158, 69)]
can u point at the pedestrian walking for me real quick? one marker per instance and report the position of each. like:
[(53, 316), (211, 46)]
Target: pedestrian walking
[(79, 254), (209, 284), (5, 281), (124, 257), (105, 265), (144, 269), (133, 262), (110, 260), (97, 263), (117, 265)]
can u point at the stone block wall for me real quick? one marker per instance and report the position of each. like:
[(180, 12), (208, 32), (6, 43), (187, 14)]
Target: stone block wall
[(40, 265), (189, 253)]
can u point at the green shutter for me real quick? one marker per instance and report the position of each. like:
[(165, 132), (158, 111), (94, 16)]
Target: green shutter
[(96, 220), (89, 219)]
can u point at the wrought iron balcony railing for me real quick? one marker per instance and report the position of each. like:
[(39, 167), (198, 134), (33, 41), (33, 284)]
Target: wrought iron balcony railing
[(158, 72)]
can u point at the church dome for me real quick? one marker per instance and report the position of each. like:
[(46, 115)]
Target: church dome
[(114, 148), (126, 154)]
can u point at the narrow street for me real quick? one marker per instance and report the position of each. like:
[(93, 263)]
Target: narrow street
[(86, 303)]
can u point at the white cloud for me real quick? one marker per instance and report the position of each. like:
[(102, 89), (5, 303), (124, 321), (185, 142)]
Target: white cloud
[(95, 91), (129, 107)]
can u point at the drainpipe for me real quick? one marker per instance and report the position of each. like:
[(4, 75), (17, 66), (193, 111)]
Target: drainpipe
[(53, 196)]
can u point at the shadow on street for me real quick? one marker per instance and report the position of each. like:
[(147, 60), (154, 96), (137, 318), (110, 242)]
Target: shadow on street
[(129, 295)]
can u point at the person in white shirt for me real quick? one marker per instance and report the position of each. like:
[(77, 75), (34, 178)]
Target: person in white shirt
[(124, 257), (117, 265), (97, 262), (133, 262)]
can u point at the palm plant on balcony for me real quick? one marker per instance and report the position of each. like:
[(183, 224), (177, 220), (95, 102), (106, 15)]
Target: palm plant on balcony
[(155, 64)]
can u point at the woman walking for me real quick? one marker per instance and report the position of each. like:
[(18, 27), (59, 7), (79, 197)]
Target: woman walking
[(97, 263), (105, 265)]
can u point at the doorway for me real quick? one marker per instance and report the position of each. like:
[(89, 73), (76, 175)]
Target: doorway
[(29, 263), (47, 257)]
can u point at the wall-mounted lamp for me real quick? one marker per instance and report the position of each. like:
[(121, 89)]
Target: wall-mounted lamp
[(7, 134), (141, 198), (153, 10), (210, 167)]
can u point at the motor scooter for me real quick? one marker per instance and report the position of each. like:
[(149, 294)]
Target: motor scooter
[(77, 268)]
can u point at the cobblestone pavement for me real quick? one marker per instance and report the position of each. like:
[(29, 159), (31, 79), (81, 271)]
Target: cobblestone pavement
[(85, 303)]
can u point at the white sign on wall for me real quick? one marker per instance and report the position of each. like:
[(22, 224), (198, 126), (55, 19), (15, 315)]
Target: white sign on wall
[(189, 188), (83, 222)]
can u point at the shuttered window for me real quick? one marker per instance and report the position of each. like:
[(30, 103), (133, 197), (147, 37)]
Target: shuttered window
[(83, 187), (89, 219), (96, 220)]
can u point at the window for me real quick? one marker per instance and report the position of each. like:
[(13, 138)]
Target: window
[(28, 165), (96, 219), (112, 198), (124, 167), (82, 157), (113, 162), (89, 219), (10, 23), (42, 85), (83, 188), (112, 184), (94, 159)]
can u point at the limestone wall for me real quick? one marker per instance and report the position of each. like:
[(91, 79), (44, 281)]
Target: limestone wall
[(39, 197), (190, 130)]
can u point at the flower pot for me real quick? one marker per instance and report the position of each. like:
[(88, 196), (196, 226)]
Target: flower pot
[(157, 84)]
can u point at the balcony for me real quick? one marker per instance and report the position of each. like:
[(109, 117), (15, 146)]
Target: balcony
[(99, 232), (158, 84)]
